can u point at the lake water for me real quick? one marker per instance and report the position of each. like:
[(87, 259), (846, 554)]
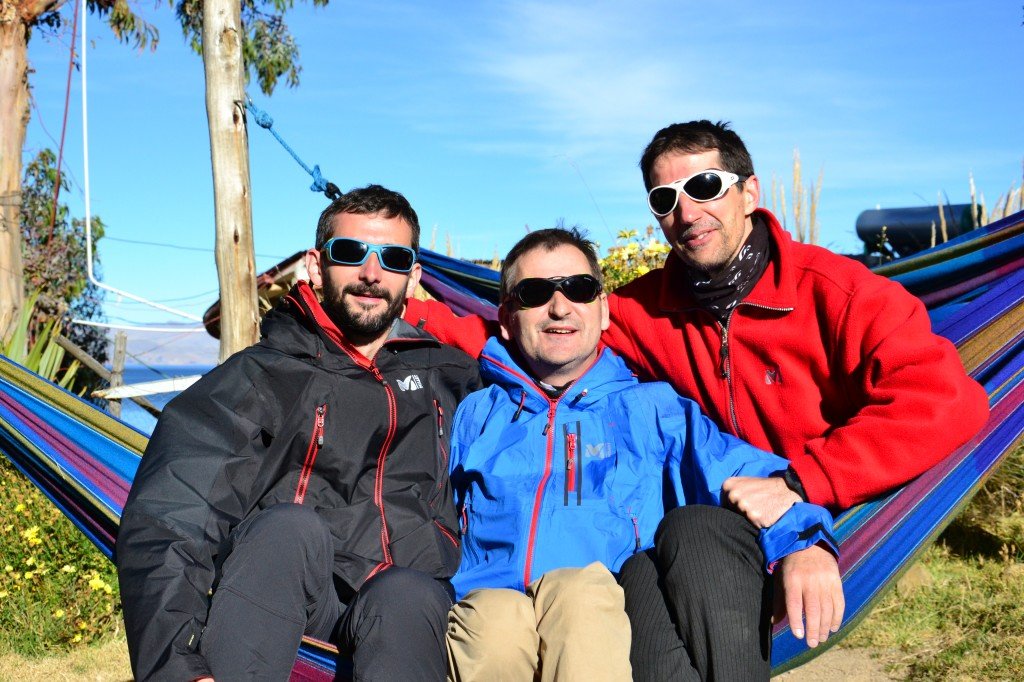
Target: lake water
[(133, 374)]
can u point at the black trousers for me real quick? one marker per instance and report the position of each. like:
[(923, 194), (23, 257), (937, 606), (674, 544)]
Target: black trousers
[(699, 602), (277, 585)]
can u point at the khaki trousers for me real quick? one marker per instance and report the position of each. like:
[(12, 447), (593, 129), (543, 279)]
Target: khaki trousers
[(570, 625)]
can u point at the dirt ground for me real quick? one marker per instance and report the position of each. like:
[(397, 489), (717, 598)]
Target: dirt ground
[(109, 663)]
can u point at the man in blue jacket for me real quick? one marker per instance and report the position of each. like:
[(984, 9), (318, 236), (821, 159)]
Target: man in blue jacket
[(564, 468)]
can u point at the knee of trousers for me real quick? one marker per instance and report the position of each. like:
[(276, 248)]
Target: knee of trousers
[(284, 535), (406, 592), (490, 620), (578, 593), (710, 529)]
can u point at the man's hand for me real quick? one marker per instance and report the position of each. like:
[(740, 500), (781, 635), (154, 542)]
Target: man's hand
[(762, 500), (812, 592)]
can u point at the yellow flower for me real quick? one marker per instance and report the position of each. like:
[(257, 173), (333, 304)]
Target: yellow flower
[(59, 613), (97, 583), (19, 508), (29, 561), (16, 575), (81, 625), (76, 639), (3, 594), (8, 568), (67, 568), (29, 575)]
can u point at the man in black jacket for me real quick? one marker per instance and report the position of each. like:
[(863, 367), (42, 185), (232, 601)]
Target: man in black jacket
[(301, 488)]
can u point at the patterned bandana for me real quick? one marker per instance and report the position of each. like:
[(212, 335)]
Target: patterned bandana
[(722, 292)]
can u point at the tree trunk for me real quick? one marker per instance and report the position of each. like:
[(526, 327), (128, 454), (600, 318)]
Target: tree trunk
[(13, 123), (229, 153)]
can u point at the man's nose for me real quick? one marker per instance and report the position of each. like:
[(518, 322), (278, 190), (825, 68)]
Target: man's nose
[(559, 306), (688, 210), (371, 270)]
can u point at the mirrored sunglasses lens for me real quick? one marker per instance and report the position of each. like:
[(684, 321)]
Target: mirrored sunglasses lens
[(397, 258), (534, 292), (662, 200), (703, 187), (580, 289), (347, 251)]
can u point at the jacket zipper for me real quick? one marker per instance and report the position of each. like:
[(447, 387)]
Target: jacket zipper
[(539, 496), (447, 533), (378, 488), (573, 466), (727, 361), (316, 441), (440, 444)]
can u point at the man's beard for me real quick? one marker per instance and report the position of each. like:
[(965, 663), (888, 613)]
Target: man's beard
[(354, 321)]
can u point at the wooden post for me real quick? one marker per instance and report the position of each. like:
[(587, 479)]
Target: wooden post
[(229, 155), (117, 371), (101, 371)]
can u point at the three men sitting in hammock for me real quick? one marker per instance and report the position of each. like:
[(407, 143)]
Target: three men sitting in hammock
[(563, 461)]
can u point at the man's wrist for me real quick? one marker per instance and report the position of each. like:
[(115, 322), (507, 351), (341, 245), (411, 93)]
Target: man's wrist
[(792, 481)]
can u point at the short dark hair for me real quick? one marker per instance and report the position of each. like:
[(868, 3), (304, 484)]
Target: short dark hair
[(695, 137), (549, 240), (369, 200)]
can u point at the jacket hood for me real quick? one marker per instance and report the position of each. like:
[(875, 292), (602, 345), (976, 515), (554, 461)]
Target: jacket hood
[(287, 329), (499, 367)]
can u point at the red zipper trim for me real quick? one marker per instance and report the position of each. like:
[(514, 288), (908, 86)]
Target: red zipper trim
[(378, 492), (539, 497), (447, 533), (376, 569), (440, 440), (316, 441), (570, 462)]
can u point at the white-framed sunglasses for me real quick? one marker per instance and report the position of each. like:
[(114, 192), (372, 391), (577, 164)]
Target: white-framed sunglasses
[(705, 185)]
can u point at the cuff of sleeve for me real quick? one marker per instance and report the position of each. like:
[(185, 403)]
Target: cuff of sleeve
[(803, 526)]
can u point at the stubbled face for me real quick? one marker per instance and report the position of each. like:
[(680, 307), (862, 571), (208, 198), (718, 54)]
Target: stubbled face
[(364, 300), (557, 340), (705, 235)]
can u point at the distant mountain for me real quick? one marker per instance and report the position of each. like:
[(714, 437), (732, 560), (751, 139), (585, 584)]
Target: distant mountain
[(170, 348)]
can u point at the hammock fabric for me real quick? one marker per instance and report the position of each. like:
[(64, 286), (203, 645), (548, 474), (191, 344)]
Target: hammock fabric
[(84, 460)]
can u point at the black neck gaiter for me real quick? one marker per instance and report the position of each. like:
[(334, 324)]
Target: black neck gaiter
[(720, 293)]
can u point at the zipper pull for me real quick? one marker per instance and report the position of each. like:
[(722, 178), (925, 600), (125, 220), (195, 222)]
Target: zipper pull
[(570, 462), (636, 532), (320, 425), (440, 418), (725, 352)]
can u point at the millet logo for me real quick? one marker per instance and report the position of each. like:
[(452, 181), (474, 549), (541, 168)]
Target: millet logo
[(772, 376), (599, 451), (410, 383)]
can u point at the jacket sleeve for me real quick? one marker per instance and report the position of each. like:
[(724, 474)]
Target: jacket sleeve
[(914, 404), (700, 457), (468, 334), (192, 487)]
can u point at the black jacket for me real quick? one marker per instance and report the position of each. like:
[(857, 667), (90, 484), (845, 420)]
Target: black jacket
[(300, 417)]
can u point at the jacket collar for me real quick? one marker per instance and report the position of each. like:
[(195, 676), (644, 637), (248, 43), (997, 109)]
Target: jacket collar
[(776, 288), (302, 304), (498, 366)]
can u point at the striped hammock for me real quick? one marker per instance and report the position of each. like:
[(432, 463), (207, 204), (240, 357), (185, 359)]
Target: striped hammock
[(84, 460)]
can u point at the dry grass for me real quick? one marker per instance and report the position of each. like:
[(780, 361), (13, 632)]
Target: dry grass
[(106, 662)]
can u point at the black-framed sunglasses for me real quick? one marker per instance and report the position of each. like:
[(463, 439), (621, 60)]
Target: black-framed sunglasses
[(536, 291), (393, 257), (707, 185)]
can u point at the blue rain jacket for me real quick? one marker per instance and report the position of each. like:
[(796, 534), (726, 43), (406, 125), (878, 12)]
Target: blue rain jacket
[(544, 484)]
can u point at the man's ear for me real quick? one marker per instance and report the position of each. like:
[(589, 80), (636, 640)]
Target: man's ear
[(751, 194), (313, 267), (605, 317), (414, 280), (505, 321)]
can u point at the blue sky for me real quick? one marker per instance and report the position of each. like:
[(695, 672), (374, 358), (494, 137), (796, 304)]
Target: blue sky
[(492, 117)]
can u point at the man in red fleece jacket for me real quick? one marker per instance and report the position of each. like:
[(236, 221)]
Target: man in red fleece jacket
[(795, 349)]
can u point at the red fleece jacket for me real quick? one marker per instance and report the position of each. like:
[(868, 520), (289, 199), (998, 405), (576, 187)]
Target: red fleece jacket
[(824, 363)]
